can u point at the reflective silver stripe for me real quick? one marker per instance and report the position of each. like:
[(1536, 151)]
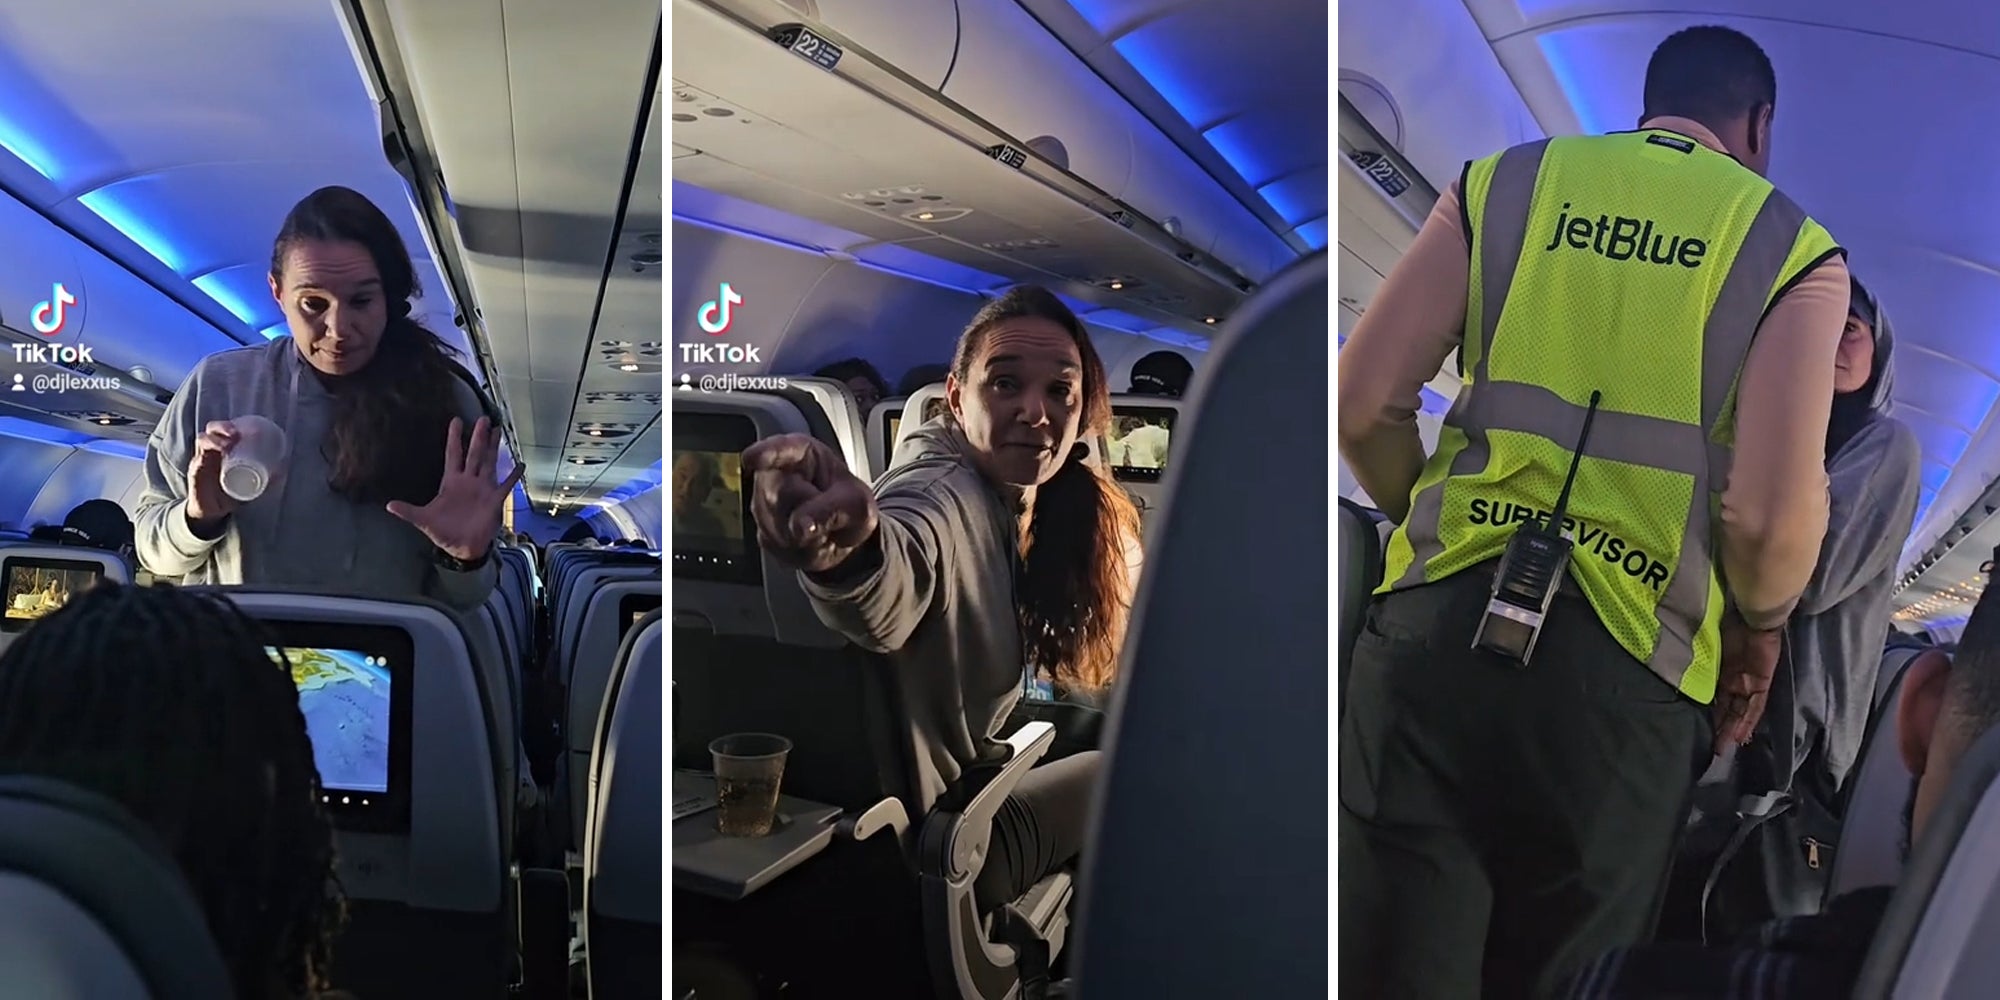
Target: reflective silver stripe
[(1633, 438), (1503, 230), (1484, 405), (1725, 343)]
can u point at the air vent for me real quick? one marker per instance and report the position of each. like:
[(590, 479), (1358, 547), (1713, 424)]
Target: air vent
[(700, 109), (607, 398), (595, 444), (1017, 246), (644, 348)]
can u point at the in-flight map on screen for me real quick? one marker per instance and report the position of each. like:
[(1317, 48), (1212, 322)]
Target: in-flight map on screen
[(344, 696)]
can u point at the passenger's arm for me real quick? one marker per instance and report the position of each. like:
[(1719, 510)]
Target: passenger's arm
[(878, 596), (466, 590), (1413, 323), (166, 543), (1774, 506), (1873, 492)]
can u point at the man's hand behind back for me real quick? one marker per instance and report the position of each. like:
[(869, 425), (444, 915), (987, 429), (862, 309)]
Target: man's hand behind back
[(1749, 665)]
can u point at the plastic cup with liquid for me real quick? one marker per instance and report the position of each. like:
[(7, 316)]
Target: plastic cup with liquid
[(749, 767), (256, 461)]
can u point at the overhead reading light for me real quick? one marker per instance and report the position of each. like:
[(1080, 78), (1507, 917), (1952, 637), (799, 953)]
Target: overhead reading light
[(937, 213), (1210, 320)]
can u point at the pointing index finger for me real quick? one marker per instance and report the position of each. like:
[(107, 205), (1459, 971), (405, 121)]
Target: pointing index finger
[(788, 452)]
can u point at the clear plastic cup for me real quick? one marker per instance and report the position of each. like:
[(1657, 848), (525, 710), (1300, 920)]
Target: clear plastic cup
[(257, 459), (749, 767)]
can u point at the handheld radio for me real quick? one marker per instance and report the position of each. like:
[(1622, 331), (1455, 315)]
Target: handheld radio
[(1531, 571)]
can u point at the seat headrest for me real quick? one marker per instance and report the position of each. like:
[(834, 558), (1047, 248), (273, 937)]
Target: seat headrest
[(88, 851), (928, 397), (848, 425), (1147, 923), (1926, 945)]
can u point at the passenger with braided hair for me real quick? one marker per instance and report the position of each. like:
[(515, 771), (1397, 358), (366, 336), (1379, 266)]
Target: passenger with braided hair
[(168, 703), (389, 489)]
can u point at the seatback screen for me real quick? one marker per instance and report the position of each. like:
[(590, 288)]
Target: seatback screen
[(1136, 445), (713, 536), (37, 588), (354, 694), (893, 426), (892, 422), (633, 607)]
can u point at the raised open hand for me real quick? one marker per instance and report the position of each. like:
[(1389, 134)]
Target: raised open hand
[(464, 518)]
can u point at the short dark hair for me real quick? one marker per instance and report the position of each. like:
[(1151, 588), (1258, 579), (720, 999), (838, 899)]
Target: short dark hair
[(1973, 693), (853, 368), (1710, 74)]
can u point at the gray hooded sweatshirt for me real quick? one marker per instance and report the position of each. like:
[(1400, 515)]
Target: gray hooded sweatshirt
[(939, 601), (300, 532), (1834, 639)]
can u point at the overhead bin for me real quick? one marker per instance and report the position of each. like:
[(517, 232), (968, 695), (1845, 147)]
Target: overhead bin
[(1008, 69), (856, 143)]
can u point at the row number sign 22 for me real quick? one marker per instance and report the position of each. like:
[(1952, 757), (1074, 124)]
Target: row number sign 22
[(807, 45)]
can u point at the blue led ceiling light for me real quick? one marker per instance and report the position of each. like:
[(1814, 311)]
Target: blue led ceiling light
[(216, 287), (1314, 233), (1148, 56), (28, 430), (27, 148), (120, 449), (1578, 65), (108, 206)]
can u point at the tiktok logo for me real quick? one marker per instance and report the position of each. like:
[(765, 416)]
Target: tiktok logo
[(715, 315), (50, 316)]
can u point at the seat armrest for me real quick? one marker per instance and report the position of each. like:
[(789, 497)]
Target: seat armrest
[(953, 849), (887, 814), (955, 842)]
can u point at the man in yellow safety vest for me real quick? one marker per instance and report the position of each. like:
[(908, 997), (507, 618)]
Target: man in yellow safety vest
[(1571, 622)]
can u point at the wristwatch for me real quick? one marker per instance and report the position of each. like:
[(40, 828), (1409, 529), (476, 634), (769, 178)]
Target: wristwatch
[(446, 560)]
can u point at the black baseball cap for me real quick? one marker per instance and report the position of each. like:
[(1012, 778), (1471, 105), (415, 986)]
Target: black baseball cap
[(1161, 373), (97, 524)]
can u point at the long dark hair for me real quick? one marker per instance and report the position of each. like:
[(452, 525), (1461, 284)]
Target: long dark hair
[(391, 418), (1075, 593), (167, 703)]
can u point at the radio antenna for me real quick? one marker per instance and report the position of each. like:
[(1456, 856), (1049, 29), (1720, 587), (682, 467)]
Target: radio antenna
[(1562, 501)]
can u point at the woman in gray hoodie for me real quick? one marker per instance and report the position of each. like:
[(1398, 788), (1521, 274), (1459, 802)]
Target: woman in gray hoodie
[(1775, 807), (990, 547), (388, 487)]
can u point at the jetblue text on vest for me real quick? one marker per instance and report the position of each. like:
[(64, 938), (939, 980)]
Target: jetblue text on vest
[(1588, 538), (1615, 237)]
